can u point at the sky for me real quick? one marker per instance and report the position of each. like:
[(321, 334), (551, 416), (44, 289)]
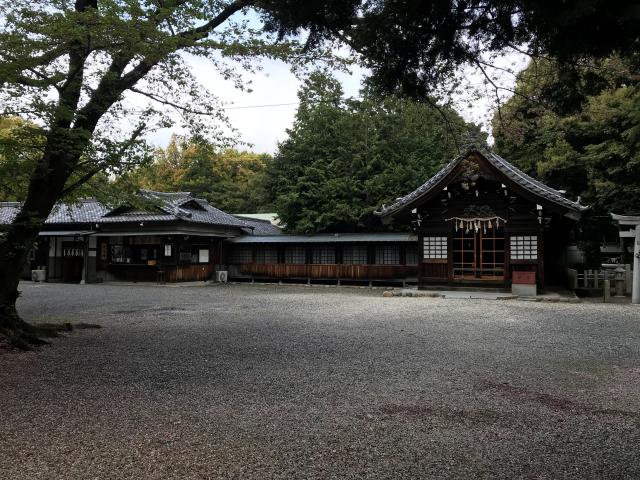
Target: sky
[(262, 115)]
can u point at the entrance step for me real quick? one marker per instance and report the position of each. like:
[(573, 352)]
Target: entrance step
[(465, 288)]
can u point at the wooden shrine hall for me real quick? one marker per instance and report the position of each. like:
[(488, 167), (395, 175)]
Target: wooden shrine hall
[(480, 220)]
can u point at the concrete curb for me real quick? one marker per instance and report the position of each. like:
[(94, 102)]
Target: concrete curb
[(428, 294)]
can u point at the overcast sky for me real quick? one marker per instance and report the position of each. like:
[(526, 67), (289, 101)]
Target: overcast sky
[(263, 125)]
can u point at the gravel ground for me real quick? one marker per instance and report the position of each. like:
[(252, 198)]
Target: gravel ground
[(250, 381)]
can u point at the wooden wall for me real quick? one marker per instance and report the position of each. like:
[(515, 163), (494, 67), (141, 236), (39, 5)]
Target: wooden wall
[(330, 271)]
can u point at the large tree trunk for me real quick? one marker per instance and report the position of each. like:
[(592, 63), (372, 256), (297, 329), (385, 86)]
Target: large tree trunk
[(45, 188)]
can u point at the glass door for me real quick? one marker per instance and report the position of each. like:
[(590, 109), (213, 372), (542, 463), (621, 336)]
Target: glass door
[(478, 255)]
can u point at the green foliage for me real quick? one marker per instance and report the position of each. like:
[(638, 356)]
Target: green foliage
[(343, 160), (415, 46), (229, 179), (578, 130), (20, 143)]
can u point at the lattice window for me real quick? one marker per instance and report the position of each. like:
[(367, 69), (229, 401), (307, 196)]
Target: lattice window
[(266, 254), (411, 255), (294, 254), (524, 247), (388, 254), (354, 254), (241, 255), (323, 254), (435, 248)]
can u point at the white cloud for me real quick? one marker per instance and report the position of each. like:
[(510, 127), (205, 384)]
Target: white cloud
[(262, 115), (264, 121)]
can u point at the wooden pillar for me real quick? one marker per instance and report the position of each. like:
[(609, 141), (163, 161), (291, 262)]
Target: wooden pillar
[(541, 260), (421, 256), (85, 259), (507, 257)]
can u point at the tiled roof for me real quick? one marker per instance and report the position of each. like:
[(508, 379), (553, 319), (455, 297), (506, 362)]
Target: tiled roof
[(8, 211), (85, 211), (327, 238), (261, 227), (269, 217), (171, 207), (513, 173)]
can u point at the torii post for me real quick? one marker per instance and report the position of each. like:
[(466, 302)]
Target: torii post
[(632, 221)]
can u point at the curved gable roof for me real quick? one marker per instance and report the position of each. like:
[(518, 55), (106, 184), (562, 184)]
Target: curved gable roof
[(510, 173), (172, 206)]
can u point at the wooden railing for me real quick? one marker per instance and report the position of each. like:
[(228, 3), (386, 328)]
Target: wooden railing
[(329, 271), (594, 279)]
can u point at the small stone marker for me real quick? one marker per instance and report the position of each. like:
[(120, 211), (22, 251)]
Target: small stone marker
[(524, 284)]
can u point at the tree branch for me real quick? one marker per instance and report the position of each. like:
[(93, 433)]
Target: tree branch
[(496, 88), (119, 153), (81, 181), (169, 103), (202, 31)]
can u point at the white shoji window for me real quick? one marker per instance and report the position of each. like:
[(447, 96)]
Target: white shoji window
[(241, 255), (294, 254), (354, 254), (435, 248), (388, 254), (411, 255), (524, 247), (266, 254), (323, 254)]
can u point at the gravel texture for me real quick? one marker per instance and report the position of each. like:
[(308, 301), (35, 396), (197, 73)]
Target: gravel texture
[(261, 382)]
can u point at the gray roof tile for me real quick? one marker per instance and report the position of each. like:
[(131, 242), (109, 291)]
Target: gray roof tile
[(175, 206), (522, 179), (327, 238), (8, 211), (261, 227)]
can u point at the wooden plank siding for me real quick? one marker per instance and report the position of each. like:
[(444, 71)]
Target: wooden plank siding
[(329, 271), (188, 273)]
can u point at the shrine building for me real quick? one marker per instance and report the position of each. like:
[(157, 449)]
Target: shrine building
[(479, 221)]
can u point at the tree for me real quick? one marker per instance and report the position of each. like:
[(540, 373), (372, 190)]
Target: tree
[(416, 46), (72, 68), (578, 130), (67, 66), (229, 179), (17, 156), (343, 159)]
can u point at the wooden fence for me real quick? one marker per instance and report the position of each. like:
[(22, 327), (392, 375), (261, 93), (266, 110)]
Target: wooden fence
[(595, 279)]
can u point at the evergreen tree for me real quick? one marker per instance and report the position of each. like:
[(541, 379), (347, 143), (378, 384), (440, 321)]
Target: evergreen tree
[(577, 130), (229, 179), (344, 158)]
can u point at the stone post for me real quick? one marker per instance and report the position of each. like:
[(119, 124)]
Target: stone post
[(620, 281), (606, 291), (635, 293)]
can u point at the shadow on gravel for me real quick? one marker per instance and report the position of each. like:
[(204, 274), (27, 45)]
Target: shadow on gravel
[(522, 395), (449, 414)]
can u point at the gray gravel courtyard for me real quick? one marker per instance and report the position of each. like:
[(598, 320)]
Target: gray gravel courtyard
[(261, 382)]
